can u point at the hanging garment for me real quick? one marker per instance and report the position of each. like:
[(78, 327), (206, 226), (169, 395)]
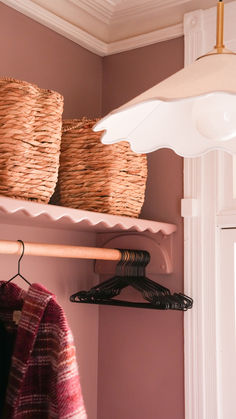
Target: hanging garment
[(43, 381), (7, 341)]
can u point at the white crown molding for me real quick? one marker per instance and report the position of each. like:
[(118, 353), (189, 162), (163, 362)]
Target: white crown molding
[(115, 12), (102, 9), (147, 39), (86, 40), (146, 7)]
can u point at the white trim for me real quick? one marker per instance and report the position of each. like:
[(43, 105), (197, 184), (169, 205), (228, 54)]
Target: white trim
[(102, 10), (226, 220), (112, 12), (145, 8), (200, 250), (147, 39), (226, 343), (205, 179), (194, 338), (86, 40), (193, 36), (191, 274), (189, 207)]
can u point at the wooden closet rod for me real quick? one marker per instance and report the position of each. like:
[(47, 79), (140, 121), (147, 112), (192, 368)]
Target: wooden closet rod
[(58, 250)]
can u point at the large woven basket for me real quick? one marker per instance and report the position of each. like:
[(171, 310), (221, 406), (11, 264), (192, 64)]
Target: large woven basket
[(97, 177), (30, 136)]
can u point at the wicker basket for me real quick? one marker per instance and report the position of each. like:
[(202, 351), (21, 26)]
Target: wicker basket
[(96, 177), (30, 136)]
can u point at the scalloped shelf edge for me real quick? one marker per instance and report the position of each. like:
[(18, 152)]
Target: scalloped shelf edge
[(15, 209)]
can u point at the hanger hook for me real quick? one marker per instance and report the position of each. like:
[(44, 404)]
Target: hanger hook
[(22, 254)]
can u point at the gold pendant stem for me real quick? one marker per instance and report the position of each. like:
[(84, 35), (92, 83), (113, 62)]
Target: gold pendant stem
[(219, 48), (220, 27)]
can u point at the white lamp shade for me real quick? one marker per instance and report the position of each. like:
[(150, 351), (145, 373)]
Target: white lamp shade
[(191, 112)]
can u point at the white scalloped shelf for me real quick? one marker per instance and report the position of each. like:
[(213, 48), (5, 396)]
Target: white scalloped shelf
[(14, 211)]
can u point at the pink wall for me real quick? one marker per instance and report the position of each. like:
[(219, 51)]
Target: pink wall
[(32, 52), (141, 370), (62, 277)]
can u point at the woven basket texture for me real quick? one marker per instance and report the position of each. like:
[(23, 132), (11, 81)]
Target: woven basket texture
[(97, 177), (30, 137)]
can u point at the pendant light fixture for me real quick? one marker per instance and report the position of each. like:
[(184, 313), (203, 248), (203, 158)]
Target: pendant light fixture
[(191, 112)]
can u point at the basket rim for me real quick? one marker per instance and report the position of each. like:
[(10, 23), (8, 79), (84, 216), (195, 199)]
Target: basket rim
[(26, 83), (78, 122)]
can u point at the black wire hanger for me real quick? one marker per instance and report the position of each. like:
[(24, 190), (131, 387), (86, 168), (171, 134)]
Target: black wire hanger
[(19, 261), (130, 271)]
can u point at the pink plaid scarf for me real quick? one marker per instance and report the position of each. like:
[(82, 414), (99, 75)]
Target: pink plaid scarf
[(43, 380)]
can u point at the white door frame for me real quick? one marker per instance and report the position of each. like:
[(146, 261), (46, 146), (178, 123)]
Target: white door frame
[(200, 283), (226, 306), (208, 204)]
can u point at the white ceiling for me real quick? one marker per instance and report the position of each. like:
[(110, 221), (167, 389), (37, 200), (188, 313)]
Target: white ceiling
[(110, 26)]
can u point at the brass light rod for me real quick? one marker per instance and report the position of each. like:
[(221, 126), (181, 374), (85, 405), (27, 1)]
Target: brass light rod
[(219, 47), (220, 27)]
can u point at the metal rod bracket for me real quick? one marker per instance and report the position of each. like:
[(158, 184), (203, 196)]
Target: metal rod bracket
[(159, 246)]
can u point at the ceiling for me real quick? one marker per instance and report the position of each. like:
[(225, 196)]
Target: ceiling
[(110, 26)]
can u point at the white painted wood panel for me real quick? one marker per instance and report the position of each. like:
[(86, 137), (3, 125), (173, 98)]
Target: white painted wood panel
[(226, 312), (208, 179)]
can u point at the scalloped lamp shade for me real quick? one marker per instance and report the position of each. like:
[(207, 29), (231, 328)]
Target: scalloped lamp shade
[(191, 112)]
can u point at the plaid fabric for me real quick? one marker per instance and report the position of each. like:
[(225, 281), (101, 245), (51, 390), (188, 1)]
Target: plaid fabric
[(43, 380)]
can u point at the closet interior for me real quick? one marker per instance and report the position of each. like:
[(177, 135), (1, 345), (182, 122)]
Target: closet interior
[(130, 360), (55, 256)]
